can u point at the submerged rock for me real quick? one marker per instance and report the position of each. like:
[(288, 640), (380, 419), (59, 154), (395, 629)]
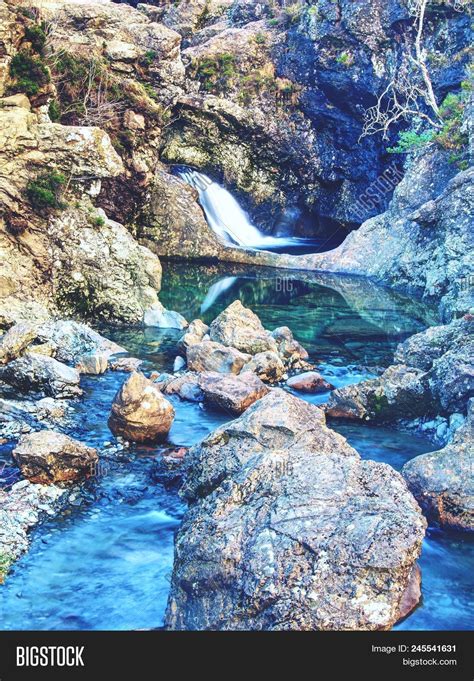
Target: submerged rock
[(289, 529), (443, 481), (39, 373), (233, 394), (48, 457), (240, 328), (309, 382), (139, 412), (211, 356), (186, 386), (161, 318), (127, 364)]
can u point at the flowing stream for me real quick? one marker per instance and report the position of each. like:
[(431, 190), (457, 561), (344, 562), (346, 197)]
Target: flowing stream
[(105, 561)]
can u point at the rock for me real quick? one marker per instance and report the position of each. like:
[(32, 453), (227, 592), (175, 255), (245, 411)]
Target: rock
[(164, 319), (288, 529), (194, 334), (127, 364), (179, 364), (186, 386), (422, 349), (42, 374), (399, 392), (72, 341), (267, 366), (48, 457), (21, 509), (210, 356), (230, 393), (292, 352), (309, 382), (93, 363), (240, 328), (16, 340), (139, 412), (451, 378), (443, 481)]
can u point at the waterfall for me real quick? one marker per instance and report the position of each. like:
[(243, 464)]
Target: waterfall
[(226, 217)]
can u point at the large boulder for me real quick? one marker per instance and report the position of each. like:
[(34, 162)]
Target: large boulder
[(38, 373), (443, 481), (16, 340), (290, 350), (211, 356), (233, 394), (422, 349), (48, 457), (240, 328), (401, 392), (139, 412), (288, 528)]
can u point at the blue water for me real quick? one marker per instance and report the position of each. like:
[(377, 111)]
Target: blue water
[(105, 562)]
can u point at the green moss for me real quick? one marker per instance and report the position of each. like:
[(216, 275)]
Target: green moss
[(148, 58), (260, 38), (380, 404), (5, 564), (44, 191), (98, 221), (29, 73)]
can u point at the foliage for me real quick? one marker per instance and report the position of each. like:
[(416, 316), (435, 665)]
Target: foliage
[(44, 191), (260, 38), (54, 111), (36, 35), (409, 140), (29, 73), (148, 58), (217, 72), (98, 221), (345, 58)]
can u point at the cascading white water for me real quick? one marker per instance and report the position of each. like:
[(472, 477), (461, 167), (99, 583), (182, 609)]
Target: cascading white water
[(225, 216)]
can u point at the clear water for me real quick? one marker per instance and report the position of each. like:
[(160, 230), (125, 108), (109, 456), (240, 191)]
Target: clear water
[(105, 563)]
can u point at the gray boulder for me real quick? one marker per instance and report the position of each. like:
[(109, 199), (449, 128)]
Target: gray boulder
[(288, 529), (39, 373), (443, 481)]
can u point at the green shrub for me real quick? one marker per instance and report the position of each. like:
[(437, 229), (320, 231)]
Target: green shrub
[(98, 221), (345, 58), (216, 72), (409, 141), (29, 73), (54, 111), (260, 38), (148, 58), (36, 35), (44, 191)]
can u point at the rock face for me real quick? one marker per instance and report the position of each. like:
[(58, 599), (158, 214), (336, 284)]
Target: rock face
[(139, 412), (211, 356), (309, 382), (240, 328), (21, 509), (289, 529), (230, 393), (48, 457), (443, 481), (39, 373)]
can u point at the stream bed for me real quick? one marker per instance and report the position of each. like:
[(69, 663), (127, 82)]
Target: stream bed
[(105, 561)]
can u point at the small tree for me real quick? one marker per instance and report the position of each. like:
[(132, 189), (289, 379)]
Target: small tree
[(410, 91)]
